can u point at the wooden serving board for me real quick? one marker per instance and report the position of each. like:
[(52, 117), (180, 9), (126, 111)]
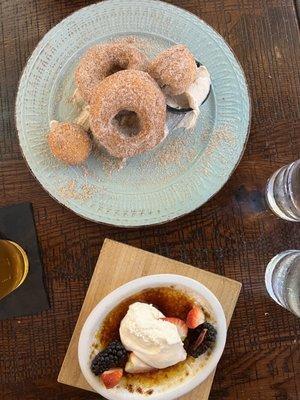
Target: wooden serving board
[(119, 264)]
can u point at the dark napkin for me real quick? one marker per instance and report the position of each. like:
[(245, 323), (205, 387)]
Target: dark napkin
[(17, 224)]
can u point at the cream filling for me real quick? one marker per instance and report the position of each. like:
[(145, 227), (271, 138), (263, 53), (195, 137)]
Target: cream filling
[(154, 341), (83, 118), (192, 98)]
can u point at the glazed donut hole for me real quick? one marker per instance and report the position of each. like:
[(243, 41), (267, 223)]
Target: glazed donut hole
[(174, 69), (69, 142)]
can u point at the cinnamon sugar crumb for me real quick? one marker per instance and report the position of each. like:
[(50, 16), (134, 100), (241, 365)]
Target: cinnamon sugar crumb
[(175, 153), (71, 191), (110, 164), (223, 136)]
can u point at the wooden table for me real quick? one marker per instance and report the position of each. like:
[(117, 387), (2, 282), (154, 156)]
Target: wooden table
[(233, 234)]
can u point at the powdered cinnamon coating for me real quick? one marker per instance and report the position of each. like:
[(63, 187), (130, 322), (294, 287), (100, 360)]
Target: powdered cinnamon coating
[(70, 143), (174, 69), (132, 91), (103, 60)]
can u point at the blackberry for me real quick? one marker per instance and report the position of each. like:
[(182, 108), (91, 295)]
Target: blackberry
[(201, 339), (115, 355)]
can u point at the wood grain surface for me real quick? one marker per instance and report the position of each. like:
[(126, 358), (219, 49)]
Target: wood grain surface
[(135, 263), (233, 234)]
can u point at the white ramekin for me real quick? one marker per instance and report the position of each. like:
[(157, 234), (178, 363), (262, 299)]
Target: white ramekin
[(96, 317)]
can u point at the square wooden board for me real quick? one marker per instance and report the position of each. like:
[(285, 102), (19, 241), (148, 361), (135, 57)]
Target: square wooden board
[(118, 264)]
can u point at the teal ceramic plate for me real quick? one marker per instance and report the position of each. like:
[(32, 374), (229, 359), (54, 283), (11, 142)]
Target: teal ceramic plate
[(176, 177)]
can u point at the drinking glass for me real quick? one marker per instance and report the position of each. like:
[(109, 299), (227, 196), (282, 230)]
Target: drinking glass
[(282, 279), (283, 192), (13, 266)]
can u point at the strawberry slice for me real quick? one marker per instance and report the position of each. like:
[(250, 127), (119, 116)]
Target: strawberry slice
[(181, 326), (195, 317), (112, 377)]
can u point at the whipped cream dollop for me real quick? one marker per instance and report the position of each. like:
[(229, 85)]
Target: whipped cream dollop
[(153, 340), (192, 98)]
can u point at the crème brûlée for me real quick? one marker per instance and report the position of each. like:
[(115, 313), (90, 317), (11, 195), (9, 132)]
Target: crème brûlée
[(155, 338)]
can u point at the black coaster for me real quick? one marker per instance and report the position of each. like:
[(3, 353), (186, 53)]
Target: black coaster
[(17, 224)]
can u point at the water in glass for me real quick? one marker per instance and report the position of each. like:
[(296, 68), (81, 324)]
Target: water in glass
[(282, 280), (283, 192)]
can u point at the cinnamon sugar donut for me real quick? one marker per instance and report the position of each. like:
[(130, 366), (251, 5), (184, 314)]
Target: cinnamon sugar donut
[(174, 69), (133, 91), (69, 142), (103, 60)]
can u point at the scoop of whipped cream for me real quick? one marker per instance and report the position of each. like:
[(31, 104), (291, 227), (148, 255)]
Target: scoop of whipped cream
[(192, 98), (154, 341)]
